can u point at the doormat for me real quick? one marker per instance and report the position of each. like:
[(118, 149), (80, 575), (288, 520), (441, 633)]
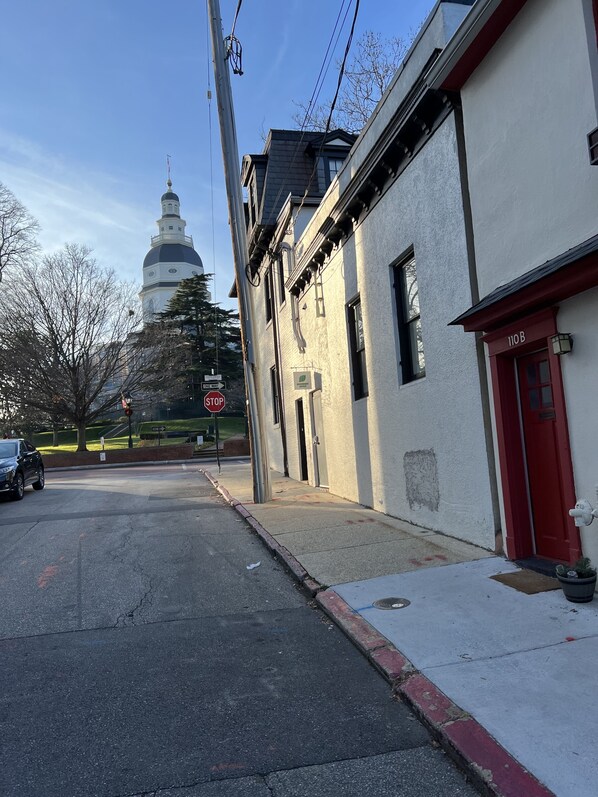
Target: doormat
[(527, 581)]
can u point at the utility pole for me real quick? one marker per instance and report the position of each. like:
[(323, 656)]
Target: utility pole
[(230, 157)]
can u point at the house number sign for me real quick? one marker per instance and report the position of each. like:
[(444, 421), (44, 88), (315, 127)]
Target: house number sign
[(516, 338)]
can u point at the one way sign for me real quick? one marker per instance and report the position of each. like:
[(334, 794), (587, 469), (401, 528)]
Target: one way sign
[(213, 385)]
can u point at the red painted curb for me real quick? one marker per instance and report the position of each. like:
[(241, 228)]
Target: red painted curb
[(312, 586), (357, 629), (428, 701), (489, 764), (505, 776), (476, 750), (392, 664)]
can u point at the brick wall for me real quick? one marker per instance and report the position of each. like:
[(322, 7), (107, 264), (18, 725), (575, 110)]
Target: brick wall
[(70, 459), (236, 447)]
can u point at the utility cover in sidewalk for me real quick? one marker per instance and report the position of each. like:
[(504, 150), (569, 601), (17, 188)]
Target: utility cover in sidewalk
[(391, 603)]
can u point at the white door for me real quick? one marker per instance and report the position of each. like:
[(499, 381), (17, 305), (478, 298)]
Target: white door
[(320, 462)]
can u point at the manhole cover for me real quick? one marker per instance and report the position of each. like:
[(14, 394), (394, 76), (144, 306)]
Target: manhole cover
[(391, 603)]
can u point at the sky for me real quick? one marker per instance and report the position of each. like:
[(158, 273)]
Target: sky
[(96, 94)]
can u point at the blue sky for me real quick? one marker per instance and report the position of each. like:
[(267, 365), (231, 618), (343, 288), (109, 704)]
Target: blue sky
[(97, 92)]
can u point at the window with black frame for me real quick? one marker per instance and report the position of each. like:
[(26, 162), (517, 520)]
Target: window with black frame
[(413, 361), (268, 293), (357, 346), (281, 278), (275, 397), (329, 165)]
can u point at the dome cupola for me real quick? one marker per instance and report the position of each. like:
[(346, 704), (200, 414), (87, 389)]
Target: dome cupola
[(171, 258)]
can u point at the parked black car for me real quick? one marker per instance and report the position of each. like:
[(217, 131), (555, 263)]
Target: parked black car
[(20, 464)]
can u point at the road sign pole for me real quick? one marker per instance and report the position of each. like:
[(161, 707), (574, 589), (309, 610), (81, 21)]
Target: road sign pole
[(217, 440)]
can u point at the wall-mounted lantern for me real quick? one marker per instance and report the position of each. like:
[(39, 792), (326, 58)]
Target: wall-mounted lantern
[(562, 343)]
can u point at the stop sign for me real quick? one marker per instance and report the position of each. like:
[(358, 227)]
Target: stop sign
[(214, 401)]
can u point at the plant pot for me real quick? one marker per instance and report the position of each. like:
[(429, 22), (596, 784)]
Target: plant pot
[(578, 590)]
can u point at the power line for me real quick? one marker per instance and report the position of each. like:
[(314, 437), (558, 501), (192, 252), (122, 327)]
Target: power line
[(211, 158), (313, 100), (341, 72)]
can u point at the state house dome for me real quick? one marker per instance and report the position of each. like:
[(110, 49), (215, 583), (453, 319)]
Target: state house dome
[(171, 259), (172, 253)]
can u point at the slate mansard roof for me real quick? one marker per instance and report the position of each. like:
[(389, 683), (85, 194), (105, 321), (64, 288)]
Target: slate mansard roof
[(172, 253), (287, 165)]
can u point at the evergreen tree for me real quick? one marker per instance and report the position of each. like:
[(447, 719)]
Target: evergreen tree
[(210, 335)]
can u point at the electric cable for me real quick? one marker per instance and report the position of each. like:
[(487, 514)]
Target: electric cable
[(333, 104), (326, 61), (211, 158)]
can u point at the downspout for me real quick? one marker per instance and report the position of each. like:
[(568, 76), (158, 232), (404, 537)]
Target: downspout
[(475, 298), (277, 362)]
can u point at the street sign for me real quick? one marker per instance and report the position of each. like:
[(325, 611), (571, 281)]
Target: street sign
[(214, 401), (213, 385), (158, 428), (212, 377)]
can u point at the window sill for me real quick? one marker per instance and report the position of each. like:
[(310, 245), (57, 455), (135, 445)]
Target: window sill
[(412, 382)]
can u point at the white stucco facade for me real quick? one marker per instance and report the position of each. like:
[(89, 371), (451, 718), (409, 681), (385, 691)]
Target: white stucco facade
[(415, 450), (528, 108)]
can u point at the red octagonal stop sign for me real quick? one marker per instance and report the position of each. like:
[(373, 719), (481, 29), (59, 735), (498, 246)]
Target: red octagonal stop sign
[(214, 401)]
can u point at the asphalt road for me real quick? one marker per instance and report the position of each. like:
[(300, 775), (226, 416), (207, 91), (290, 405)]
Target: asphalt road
[(140, 656)]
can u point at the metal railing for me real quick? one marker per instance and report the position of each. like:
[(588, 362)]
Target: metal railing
[(171, 237)]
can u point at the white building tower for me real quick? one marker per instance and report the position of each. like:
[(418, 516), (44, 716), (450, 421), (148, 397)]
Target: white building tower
[(171, 259)]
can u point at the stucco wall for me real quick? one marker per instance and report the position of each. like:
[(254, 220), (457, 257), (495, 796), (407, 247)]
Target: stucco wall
[(434, 34), (580, 380), (528, 109), (414, 451)]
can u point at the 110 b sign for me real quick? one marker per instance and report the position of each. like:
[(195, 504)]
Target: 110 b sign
[(214, 401)]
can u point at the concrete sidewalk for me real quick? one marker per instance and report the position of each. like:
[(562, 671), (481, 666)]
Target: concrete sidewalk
[(506, 680)]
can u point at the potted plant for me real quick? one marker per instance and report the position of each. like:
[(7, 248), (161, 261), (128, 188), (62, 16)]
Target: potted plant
[(578, 580)]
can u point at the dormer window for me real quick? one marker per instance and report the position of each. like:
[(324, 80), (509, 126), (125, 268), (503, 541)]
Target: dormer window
[(252, 197), (328, 167)]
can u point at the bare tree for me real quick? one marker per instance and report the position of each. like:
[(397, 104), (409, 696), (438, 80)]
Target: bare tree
[(375, 61), (18, 231), (71, 348)]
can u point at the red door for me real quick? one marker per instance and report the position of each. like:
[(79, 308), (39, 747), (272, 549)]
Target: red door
[(546, 493)]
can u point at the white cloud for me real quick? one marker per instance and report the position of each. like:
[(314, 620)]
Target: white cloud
[(73, 204)]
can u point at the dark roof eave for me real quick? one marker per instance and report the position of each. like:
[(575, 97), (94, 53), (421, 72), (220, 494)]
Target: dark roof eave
[(566, 275)]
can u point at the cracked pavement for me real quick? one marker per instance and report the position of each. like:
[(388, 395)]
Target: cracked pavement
[(140, 656)]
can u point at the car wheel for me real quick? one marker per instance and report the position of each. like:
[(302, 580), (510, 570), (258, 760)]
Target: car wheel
[(41, 480), (18, 491)]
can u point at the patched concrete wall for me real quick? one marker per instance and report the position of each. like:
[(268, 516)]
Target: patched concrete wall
[(528, 109), (421, 479)]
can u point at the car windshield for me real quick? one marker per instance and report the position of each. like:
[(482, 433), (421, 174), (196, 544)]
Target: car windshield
[(8, 448)]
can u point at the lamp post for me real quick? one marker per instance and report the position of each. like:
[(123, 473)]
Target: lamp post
[(127, 403)]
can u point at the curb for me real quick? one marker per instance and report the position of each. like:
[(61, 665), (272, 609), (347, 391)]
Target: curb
[(277, 550), (488, 765), (485, 761)]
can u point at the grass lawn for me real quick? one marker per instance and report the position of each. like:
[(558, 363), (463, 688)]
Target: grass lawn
[(227, 427), (67, 438)]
